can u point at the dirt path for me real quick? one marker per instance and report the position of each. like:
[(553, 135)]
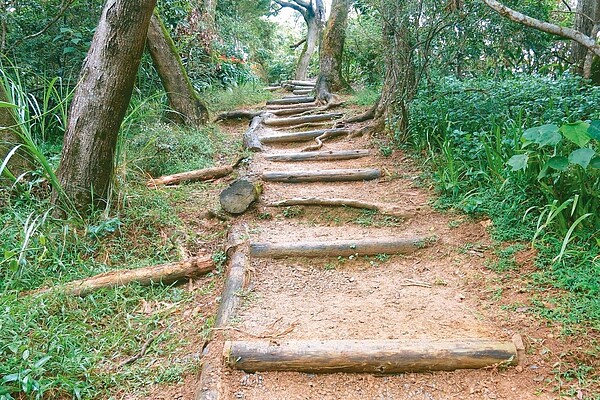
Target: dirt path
[(440, 292)]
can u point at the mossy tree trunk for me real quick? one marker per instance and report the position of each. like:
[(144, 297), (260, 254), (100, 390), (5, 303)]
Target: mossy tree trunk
[(20, 162), (186, 106), (330, 52), (101, 99)]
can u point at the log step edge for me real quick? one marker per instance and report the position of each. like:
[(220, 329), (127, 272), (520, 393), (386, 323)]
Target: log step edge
[(336, 248), (369, 356)]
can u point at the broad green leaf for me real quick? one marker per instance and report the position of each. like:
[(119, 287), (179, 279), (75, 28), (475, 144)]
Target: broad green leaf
[(544, 135), (559, 163), (68, 50), (576, 132), (594, 130), (518, 162), (595, 163), (582, 157)]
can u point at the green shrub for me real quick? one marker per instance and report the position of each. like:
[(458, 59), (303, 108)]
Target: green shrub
[(162, 149)]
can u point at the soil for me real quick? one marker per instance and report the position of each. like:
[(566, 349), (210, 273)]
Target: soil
[(457, 295)]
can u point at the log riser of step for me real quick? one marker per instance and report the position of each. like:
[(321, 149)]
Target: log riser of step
[(329, 175), (370, 356), (294, 100), (329, 155), (336, 248), (301, 136)]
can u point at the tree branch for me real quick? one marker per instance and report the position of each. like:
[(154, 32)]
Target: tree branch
[(291, 5), (547, 27)]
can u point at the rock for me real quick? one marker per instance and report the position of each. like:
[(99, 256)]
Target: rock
[(238, 196)]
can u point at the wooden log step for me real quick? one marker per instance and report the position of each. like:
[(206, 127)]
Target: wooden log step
[(291, 106), (300, 83), (371, 356), (329, 175), (336, 248), (293, 100), (301, 92), (385, 209), (300, 136), (329, 155), (301, 120)]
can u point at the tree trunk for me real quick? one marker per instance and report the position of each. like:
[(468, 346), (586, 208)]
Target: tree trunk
[(315, 21), (399, 85), (587, 15), (101, 99), (330, 52), (186, 106), (19, 161)]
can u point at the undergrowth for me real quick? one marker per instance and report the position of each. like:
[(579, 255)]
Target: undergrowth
[(525, 152), (57, 346)]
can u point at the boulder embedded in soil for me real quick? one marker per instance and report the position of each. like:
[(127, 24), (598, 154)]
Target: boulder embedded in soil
[(238, 196)]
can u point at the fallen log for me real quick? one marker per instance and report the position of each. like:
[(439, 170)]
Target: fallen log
[(205, 174), (236, 281), (336, 248), (372, 356), (318, 155), (165, 273), (237, 275), (293, 100), (385, 209), (299, 136), (331, 175), (301, 120), (250, 139)]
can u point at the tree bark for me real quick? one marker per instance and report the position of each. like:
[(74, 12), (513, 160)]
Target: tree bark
[(579, 37), (19, 161), (330, 52), (186, 106), (587, 17), (101, 99), (372, 356)]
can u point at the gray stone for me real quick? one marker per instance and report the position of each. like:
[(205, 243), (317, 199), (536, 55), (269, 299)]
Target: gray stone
[(238, 196)]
